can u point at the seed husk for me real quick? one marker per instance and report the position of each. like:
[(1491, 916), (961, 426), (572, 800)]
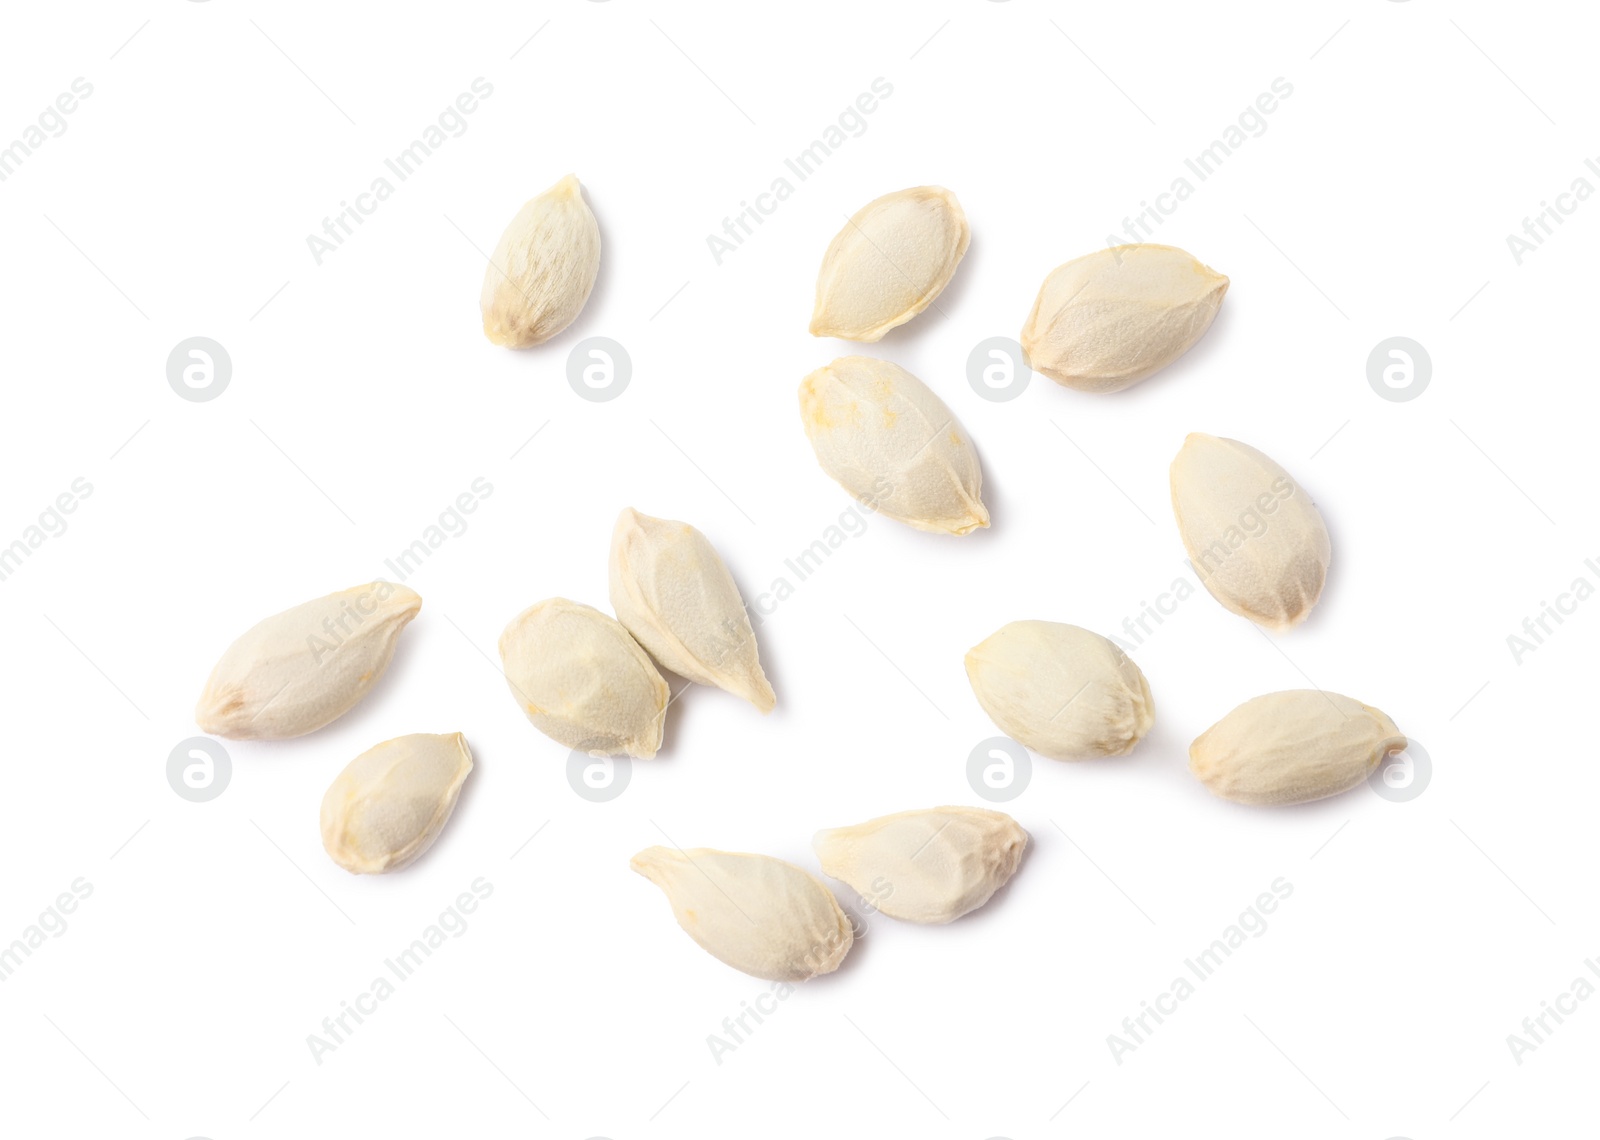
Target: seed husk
[(760, 915), (1062, 691), (888, 440), (893, 257), (1107, 320), (1254, 537), (301, 669), (671, 590), (1293, 747), (543, 268), (583, 680), (390, 803), (930, 866)]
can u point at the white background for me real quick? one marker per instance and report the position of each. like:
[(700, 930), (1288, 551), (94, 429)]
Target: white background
[(364, 399)]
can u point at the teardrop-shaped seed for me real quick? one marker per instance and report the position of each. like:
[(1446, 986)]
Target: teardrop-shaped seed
[(1105, 321), (758, 914), (671, 591), (305, 667), (925, 866), (889, 263), (583, 680), (1255, 539), (543, 268), (1061, 691), (390, 803), (888, 440), (1292, 747)]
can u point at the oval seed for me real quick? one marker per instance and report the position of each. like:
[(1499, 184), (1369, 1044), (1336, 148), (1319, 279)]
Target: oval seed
[(1255, 539), (296, 671), (760, 915), (1292, 747), (889, 263), (390, 803), (1061, 691), (887, 439), (1106, 321), (583, 680), (925, 866), (671, 591), (543, 268)]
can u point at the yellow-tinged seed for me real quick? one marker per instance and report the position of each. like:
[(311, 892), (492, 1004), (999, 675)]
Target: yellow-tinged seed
[(889, 262), (1105, 321), (671, 590), (583, 680), (543, 268), (925, 866), (1292, 747), (390, 803), (888, 440), (1064, 692), (758, 914), (303, 668), (1255, 539)]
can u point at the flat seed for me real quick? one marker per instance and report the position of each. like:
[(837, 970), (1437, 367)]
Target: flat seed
[(925, 866), (543, 268), (1254, 538), (758, 914), (1106, 321), (1061, 691), (888, 440), (301, 669), (889, 263), (390, 803), (672, 591), (1292, 747), (583, 680)]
